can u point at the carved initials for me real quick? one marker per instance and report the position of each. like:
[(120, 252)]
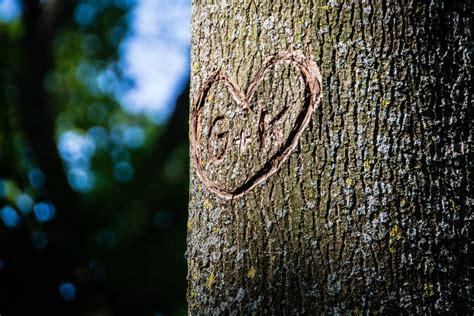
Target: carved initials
[(271, 131), (217, 146), (243, 141)]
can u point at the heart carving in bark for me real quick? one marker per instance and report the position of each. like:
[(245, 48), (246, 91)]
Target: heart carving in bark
[(247, 142)]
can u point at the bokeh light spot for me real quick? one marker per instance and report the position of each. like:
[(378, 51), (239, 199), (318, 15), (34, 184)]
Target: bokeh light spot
[(36, 178), (123, 172), (98, 135), (115, 35), (85, 14), (73, 147), (87, 72), (107, 81), (10, 216), (44, 211), (24, 202), (9, 10), (67, 291), (130, 136), (77, 151), (81, 179), (117, 134), (134, 136)]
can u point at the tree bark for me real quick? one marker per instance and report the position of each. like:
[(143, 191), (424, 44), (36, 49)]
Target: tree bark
[(371, 210)]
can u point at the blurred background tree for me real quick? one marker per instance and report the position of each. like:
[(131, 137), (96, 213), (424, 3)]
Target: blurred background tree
[(93, 156)]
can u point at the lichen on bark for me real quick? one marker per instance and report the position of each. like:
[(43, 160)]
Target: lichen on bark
[(372, 210)]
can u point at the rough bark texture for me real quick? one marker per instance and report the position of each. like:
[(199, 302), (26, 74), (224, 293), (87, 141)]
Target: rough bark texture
[(371, 212)]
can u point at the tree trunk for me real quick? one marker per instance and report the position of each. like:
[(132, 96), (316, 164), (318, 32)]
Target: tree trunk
[(364, 207)]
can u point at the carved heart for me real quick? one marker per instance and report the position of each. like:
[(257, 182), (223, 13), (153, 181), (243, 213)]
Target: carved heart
[(312, 79)]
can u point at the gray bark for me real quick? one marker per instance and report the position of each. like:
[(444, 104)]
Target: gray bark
[(371, 210)]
